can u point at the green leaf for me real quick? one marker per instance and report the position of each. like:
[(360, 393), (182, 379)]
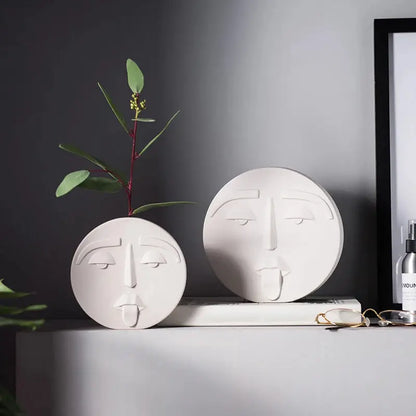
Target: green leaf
[(146, 207), (8, 405), (135, 76), (7, 293), (144, 120), (13, 310), (160, 133), (24, 323), (101, 184), (117, 113), (97, 162), (4, 288), (71, 181)]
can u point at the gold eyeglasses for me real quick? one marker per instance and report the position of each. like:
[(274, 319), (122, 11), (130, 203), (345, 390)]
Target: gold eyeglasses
[(349, 318)]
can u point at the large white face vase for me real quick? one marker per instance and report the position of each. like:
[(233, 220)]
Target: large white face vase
[(128, 273), (273, 235)]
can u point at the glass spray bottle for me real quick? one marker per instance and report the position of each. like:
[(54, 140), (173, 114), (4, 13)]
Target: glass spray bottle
[(409, 270)]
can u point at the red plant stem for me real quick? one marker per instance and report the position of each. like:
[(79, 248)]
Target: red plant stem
[(132, 160)]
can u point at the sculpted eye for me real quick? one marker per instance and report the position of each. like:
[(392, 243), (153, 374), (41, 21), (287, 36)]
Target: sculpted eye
[(240, 215), (153, 258), (299, 214), (101, 259)]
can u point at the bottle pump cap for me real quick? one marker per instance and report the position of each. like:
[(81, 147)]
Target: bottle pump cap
[(411, 241), (412, 229)]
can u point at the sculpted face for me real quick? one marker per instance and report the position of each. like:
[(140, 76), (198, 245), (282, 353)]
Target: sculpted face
[(128, 273), (272, 234)]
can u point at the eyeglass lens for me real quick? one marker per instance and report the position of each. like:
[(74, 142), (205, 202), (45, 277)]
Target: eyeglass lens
[(344, 317), (399, 317)]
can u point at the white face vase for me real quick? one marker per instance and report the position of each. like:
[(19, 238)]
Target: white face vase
[(128, 273), (273, 235)]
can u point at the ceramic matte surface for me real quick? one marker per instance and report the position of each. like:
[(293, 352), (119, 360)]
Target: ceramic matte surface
[(272, 234), (128, 273)]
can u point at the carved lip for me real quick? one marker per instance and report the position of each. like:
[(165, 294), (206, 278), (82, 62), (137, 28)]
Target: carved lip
[(273, 262), (129, 299), (284, 272)]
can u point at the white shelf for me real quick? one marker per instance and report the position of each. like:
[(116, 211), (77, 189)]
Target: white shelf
[(241, 371)]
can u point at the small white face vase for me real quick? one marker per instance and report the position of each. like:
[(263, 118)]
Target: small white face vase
[(273, 235), (128, 273)]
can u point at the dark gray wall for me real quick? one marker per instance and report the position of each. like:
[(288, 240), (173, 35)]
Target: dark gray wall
[(268, 83)]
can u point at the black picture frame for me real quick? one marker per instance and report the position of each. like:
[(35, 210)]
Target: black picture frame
[(383, 28)]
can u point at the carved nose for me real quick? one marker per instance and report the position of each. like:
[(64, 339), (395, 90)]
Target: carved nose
[(129, 272), (270, 232)]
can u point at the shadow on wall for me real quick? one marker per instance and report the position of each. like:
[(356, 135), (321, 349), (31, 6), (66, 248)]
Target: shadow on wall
[(356, 273)]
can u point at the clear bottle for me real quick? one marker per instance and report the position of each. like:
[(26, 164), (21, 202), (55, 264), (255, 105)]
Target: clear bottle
[(409, 270)]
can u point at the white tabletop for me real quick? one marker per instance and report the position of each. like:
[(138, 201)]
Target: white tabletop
[(240, 371)]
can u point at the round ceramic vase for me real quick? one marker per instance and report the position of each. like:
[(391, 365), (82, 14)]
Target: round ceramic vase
[(273, 235), (128, 273)]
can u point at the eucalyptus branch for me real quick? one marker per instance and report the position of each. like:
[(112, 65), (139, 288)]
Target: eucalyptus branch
[(116, 182)]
